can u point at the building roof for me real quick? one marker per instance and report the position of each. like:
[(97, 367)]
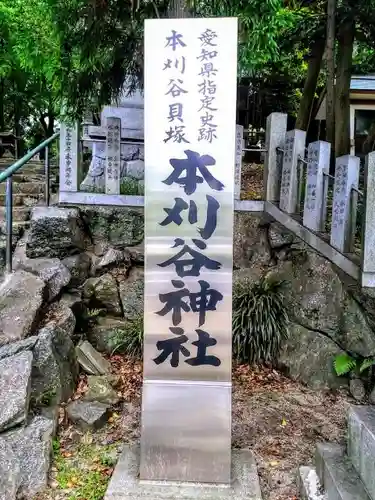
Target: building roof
[(363, 82)]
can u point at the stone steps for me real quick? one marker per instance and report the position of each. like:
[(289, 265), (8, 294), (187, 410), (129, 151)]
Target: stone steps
[(344, 474), (22, 199), (20, 213), (28, 188), (337, 475), (361, 444)]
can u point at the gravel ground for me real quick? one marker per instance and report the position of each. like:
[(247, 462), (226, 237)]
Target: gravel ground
[(279, 420)]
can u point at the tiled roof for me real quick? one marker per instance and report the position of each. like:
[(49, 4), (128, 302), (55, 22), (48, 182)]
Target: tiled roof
[(366, 82)]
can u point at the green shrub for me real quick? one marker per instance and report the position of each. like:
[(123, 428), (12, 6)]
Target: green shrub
[(131, 186), (129, 340), (260, 320)]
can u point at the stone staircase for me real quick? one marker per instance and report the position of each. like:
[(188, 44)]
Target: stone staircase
[(28, 191), (344, 473)]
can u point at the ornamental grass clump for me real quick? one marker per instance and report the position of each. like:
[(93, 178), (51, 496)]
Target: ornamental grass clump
[(260, 320)]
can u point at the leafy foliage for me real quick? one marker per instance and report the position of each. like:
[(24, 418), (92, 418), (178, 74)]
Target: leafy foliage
[(345, 364), (129, 340), (260, 320)]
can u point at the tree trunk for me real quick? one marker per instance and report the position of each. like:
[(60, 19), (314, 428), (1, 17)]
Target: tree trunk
[(178, 9), (306, 104), (342, 100), (330, 54)]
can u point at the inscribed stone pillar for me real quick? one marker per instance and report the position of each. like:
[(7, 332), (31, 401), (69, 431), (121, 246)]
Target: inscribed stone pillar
[(190, 109)]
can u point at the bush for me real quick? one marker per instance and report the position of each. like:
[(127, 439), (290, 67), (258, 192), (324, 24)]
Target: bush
[(260, 320), (129, 340)]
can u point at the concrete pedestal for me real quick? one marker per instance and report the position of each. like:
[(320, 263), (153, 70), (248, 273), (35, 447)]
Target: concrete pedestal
[(125, 482)]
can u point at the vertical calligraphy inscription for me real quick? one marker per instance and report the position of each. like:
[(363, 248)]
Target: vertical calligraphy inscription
[(113, 156), (238, 162), (69, 157), (189, 183)]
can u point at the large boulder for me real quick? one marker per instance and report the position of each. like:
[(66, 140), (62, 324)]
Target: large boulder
[(120, 226), (15, 375), (112, 258), (326, 309), (55, 367), (21, 299), (32, 446), (79, 266), (55, 232), (88, 415), (100, 390), (91, 360), (52, 272), (102, 292), (106, 334), (131, 293), (10, 474), (9, 350)]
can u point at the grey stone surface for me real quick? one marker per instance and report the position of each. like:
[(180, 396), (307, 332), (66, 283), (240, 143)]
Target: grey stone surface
[(309, 486), (371, 397), (60, 317), (337, 474), (131, 293), (52, 272), (22, 345), (21, 298), (102, 292), (120, 226), (55, 367), (125, 482), (294, 148), (10, 475), (87, 414), (95, 178), (135, 169), (79, 266), (91, 360), (368, 261), (72, 300), (137, 253), (357, 389), (100, 390), (361, 444), (105, 334), (15, 374), (111, 258), (275, 137), (279, 237), (346, 177), (55, 232), (32, 446)]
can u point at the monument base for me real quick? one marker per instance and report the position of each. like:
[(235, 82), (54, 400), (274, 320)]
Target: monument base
[(125, 482)]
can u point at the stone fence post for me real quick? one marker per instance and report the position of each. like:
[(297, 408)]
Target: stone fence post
[(343, 209), (69, 157), (275, 136), (368, 236)]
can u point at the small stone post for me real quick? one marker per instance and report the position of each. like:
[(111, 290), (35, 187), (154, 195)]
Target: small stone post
[(315, 202), (368, 237), (69, 157), (346, 177), (294, 148), (275, 136), (113, 156)]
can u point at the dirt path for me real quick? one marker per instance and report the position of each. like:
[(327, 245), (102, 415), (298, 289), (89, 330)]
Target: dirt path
[(279, 420)]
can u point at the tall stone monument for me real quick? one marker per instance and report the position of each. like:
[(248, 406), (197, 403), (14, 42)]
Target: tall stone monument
[(190, 112), (129, 109)]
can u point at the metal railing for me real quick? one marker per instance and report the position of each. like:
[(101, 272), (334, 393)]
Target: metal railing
[(7, 176)]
